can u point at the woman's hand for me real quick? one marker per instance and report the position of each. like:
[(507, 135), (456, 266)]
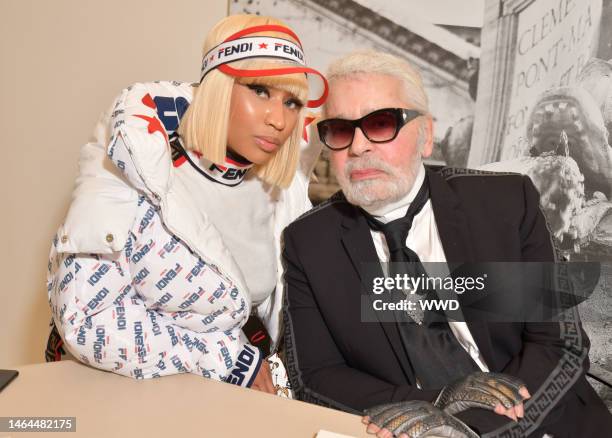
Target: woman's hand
[(263, 380)]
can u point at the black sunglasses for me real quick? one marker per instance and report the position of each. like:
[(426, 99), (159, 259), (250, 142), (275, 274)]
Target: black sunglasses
[(380, 126)]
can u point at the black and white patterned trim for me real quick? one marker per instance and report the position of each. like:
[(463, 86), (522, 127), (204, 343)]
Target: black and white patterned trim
[(300, 390), (452, 172), (560, 380), (334, 199)]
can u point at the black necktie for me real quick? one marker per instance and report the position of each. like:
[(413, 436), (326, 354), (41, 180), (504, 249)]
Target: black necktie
[(436, 356), (403, 259), (396, 231)]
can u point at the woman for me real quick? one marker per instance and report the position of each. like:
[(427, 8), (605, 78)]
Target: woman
[(173, 237)]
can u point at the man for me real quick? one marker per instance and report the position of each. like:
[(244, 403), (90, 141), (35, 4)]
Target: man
[(378, 127)]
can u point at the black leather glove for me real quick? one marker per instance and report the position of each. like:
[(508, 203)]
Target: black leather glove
[(480, 390), (418, 419)]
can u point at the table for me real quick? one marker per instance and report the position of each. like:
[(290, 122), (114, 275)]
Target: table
[(109, 405)]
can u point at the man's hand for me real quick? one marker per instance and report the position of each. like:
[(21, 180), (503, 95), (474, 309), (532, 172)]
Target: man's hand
[(414, 419), (263, 379), (496, 392)]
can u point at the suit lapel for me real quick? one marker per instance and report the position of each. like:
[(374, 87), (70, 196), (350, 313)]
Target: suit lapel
[(359, 246), (450, 220), (456, 239)]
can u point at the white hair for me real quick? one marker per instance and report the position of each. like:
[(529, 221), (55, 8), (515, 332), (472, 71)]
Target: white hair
[(374, 62)]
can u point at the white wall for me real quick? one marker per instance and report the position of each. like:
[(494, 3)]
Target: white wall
[(61, 63)]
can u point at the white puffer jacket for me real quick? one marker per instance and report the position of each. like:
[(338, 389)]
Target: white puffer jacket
[(132, 229)]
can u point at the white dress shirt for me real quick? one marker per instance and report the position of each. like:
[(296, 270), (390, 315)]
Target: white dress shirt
[(423, 239)]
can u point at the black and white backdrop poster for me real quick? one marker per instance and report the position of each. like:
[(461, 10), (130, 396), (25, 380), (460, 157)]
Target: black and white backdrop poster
[(514, 85)]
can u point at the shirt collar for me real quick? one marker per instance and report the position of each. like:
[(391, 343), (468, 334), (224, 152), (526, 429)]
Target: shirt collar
[(397, 209), (231, 173)]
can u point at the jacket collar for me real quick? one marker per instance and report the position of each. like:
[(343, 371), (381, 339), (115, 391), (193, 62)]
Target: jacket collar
[(450, 220)]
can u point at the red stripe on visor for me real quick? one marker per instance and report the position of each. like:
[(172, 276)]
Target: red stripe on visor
[(253, 47)]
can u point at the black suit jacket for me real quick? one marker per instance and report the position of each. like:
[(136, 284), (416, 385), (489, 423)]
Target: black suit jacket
[(334, 359)]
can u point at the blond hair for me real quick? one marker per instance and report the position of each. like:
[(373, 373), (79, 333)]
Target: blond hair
[(205, 124)]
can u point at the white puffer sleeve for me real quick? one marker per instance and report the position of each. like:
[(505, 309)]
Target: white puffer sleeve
[(107, 322)]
